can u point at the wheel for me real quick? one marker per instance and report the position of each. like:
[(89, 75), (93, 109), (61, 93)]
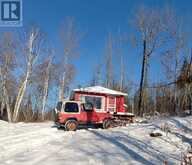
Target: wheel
[(71, 125), (106, 124), (98, 126)]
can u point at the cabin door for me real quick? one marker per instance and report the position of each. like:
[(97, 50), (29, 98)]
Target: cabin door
[(111, 104)]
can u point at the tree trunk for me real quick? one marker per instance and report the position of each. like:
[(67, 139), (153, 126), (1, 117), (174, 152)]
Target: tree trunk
[(20, 96), (5, 95), (109, 54), (46, 85), (62, 84), (61, 89), (122, 76), (2, 108), (44, 99), (191, 104), (143, 80), (7, 104), (31, 56), (176, 108)]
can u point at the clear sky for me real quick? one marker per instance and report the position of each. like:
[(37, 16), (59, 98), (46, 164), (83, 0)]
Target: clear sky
[(96, 18)]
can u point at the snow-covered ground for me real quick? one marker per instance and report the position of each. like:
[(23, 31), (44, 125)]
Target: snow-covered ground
[(44, 144)]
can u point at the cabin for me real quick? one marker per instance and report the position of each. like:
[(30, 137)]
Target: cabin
[(103, 99)]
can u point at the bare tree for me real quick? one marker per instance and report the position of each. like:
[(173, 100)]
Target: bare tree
[(31, 54), (155, 30), (70, 38), (184, 84), (172, 57), (148, 23), (7, 65), (46, 84), (120, 40), (108, 61), (28, 112), (6, 98), (97, 73), (41, 80)]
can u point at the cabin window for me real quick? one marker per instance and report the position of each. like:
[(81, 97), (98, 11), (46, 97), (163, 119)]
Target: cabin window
[(96, 101)]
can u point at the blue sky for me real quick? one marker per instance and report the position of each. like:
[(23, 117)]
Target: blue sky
[(96, 18)]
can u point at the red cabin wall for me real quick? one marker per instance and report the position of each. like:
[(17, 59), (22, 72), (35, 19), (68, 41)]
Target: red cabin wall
[(120, 104), (119, 99)]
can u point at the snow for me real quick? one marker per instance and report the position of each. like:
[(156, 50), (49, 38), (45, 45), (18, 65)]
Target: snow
[(99, 89), (43, 143), (125, 113)]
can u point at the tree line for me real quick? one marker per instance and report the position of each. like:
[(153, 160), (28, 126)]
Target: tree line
[(31, 76), (30, 73)]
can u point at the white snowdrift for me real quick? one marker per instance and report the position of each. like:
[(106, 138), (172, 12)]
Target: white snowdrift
[(42, 143)]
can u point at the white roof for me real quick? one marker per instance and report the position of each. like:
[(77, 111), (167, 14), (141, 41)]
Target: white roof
[(99, 89)]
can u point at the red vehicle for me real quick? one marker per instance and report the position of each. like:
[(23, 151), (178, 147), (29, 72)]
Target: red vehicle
[(69, 114)]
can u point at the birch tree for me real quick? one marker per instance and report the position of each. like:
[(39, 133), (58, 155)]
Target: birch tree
[(41, 82), (31, 53), (5, 100), (7, 65), (70, 39), (46, 84)]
